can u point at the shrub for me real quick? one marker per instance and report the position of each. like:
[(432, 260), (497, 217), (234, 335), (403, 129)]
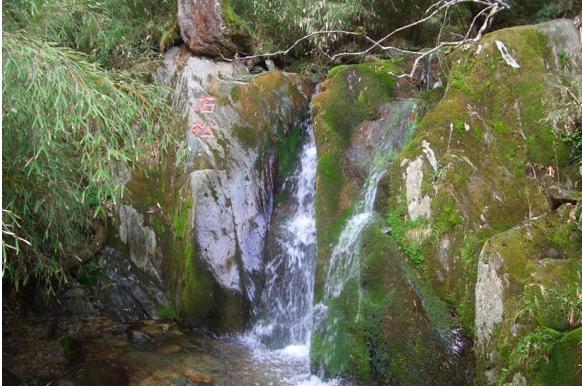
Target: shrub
[(68, 125)]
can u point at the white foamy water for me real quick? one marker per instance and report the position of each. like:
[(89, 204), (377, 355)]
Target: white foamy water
[(281, 338)]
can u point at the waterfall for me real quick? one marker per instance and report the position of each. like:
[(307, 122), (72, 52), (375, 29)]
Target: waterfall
[(281, 337), (344, 263), (287, 298)]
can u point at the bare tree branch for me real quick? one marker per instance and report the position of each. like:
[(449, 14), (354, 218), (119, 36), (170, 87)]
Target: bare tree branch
[(486, 15)]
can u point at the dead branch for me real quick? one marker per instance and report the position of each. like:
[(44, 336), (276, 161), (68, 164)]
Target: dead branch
[(486, 15)]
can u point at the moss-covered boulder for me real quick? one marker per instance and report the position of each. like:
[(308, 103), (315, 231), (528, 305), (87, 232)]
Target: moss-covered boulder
[(480, 165), (475, 166), (376, 320), (527, 299)]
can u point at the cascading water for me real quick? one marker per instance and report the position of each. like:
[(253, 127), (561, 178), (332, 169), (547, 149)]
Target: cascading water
[(344, 264), (281, 338), (287, 299)]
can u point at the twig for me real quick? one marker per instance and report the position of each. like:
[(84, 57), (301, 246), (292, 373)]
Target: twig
[(491, 8)]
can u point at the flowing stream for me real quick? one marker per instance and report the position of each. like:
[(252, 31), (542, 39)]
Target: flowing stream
[(281, 338)]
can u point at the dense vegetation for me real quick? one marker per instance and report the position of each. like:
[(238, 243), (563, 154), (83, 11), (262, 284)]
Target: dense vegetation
[(76, 111), (287, 21)]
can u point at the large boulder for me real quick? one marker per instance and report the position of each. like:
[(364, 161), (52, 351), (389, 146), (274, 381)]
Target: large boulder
[(211, 28), (196, 218), (375, 318), (527, 299), (476, 165), (480, 166)]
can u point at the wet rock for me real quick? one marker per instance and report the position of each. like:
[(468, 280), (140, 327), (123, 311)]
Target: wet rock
[(226, 186), (210, 28), (128, 293), (73, 350), (138, 337), (140, 239)]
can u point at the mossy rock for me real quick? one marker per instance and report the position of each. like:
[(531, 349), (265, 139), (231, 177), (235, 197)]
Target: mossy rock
[(388, 327), (350, 95), (486, 132), (538, 285)]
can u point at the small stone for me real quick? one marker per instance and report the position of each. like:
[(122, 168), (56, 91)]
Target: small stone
[(200, 378), (552, 253), (171, 349), (138, 337), (387, 231)]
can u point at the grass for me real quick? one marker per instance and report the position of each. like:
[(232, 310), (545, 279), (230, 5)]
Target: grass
[(113, 33), (69, 127)]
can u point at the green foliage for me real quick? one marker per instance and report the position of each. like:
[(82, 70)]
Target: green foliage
[(167, 312), (565, 114), (534, 348), (69, 126), (290, 20), (115, 33), (535, 11), (447, 217), (400, 228)]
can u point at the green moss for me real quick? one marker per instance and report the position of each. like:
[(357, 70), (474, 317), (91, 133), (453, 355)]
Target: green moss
[(235, 93), (400, 228), (247, 135), (230, 17), (181, 220), (336, 70), (289, 152), (564, 361), (167, 312), (447, 216)]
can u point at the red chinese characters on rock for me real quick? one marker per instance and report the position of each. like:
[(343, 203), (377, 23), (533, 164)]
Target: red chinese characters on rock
[(202, 130), (205, 105)]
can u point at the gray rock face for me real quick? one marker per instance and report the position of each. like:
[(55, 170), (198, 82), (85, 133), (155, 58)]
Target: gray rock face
[(128, 294), (197, 225), (214, 225), (140, 239), (229, 161), (488, 296)]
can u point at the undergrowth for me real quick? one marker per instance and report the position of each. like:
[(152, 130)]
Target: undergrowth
[(69, 126)]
